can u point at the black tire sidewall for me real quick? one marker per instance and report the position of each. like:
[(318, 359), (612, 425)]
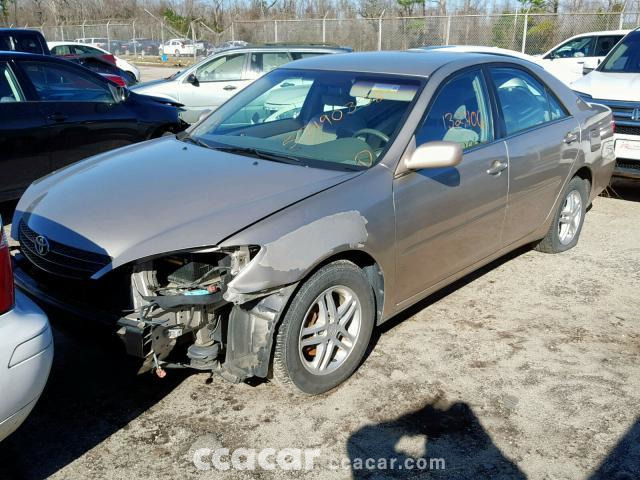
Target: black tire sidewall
[(579, 185), (346, 274)]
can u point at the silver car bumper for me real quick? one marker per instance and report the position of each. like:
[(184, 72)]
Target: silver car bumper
[(26, 354)]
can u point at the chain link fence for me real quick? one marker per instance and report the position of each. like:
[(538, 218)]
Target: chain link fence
[(525, 32)]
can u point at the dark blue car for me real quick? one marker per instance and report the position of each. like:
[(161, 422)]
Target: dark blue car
[(55, 112)]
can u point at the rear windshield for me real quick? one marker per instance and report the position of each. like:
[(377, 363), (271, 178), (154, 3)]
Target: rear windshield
[(625, 57)]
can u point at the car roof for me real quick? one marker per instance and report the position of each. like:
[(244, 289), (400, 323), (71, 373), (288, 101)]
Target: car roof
[(411, 62), (11, 55), (55, 44), (602, 32), (478, 49), (20, 30), (320, 47)]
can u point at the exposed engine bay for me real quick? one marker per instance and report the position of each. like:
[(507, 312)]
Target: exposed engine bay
[(181, 317)]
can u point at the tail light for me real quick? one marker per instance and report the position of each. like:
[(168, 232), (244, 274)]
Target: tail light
[(613, 126), (117, 79), (6, 275), (109, 58)]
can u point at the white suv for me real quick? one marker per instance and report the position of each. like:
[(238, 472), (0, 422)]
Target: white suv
[(568, 59), (616, 84), (178, 47)]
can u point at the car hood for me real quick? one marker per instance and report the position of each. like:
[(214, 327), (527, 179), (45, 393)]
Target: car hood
[(161, 196), (161, 87), (141, 96), (610, 86)]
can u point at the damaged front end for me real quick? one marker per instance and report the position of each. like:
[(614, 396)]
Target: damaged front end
[(184, 316)]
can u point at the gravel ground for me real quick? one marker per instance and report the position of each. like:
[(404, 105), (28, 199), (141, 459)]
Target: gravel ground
[(156, 72), (528, 368)]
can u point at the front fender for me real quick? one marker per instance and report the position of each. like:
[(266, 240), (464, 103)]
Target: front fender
[(290, 257), (357, 215)]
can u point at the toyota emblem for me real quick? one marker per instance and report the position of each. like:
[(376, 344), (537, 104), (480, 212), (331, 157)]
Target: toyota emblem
[(42, 245)]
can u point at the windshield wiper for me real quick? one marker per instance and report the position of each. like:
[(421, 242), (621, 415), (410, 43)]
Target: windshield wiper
[(254, 152), (196, 141)]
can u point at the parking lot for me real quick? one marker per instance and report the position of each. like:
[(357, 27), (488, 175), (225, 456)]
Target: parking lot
[(527, 368)]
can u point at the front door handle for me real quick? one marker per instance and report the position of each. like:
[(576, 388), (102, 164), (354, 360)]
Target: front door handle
[(570, 137), (497, 167), (229, 87), (57, 117)]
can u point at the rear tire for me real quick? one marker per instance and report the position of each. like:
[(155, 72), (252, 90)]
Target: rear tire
[(326, 330), (567, 222)]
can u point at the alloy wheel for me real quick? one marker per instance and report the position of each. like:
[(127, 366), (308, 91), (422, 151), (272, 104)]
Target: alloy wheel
[(330, 330), (570, 217)]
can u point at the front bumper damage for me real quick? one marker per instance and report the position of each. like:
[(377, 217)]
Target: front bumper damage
[(169, 324)]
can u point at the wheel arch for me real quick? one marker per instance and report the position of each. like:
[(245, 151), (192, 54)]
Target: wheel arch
[(368, 264), (586, 174), (254, 324)]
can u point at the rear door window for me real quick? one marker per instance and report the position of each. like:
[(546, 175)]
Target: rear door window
[(228, 67), (61, 50), (264, 62), (524, 101), (605, 44)]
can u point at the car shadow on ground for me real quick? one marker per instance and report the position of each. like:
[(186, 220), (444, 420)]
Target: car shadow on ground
[(92, 392), (449, 438), (623, 462)]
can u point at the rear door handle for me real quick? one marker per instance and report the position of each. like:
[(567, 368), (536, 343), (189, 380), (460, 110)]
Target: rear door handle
[(497, 167), (229, 87), (570, 137), (57, 117)]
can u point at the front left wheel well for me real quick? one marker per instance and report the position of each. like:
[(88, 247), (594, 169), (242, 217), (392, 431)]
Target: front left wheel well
[(371, 269)]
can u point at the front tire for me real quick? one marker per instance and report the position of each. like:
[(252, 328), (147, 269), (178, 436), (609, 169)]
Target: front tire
[(567, 223), (326, 330)]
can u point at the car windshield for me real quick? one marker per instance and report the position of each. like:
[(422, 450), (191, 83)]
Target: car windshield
[(316, 118), (625, 57)]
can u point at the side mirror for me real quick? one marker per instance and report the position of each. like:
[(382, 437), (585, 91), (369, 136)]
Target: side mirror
[(193, 80), (589, 65), (435, 155)]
